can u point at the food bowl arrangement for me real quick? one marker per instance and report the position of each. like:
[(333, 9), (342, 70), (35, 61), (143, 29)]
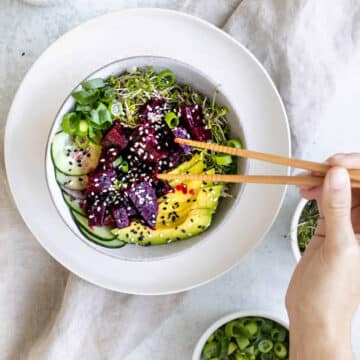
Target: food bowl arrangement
[(303, 226), (211, 61), (250, 335), (116, 132)]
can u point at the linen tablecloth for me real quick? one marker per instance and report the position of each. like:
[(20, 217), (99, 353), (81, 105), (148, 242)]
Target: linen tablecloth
[(48, 313)]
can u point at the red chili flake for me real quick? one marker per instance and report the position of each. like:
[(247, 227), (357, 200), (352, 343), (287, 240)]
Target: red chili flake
[(182, 188), (192, 192)]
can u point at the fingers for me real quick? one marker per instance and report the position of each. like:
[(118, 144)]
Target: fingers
[(336, 206), (349, 161), (311, 193), (355, 219)]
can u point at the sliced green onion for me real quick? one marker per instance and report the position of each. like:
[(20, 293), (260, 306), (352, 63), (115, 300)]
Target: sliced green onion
[(265, 346), (280, 350), (86, 97), (242, 342), (210, 350), (116, 109), (118, 161), (165, 79), (101, 117), (232, 348), (278, 334), (171, 120), (234, 143), (69, 123), (229, 329), (224, 345), (252, 328), (82, 141), (124, 167), (266, 325), (93, 84), (222, 159), (240, 356), (95, 135), (82, 128)]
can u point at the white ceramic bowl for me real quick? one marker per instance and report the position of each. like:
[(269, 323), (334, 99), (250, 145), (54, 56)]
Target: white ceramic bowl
[(200, 344), (293, 230), (185, 74)]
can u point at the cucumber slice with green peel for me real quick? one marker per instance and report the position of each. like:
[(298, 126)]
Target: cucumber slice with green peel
[(76, 194), (72, 160), (72, 182), (74, 204), (101, 232), (112, 244)]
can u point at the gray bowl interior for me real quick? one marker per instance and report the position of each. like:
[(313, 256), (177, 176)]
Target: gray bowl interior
[(185, 74)]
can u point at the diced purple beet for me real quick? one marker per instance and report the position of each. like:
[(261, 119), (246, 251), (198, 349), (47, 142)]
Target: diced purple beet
[(155, 106), (182, 133), (108, 156), (100, 181), (120, 216), (128, 205), (145, 144), (144, 199), (194, 122), (116, 136), (96, 215)]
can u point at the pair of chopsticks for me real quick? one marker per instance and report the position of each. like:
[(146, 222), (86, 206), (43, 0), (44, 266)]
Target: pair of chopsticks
[(303, 180)]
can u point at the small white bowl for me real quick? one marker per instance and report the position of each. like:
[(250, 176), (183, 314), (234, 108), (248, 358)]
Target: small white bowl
[(241, 314), (293, 229)]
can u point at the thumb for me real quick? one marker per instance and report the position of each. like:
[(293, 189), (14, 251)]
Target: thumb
[(336, 206)]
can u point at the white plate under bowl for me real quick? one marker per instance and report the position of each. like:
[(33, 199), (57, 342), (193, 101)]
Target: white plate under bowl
[(185, 74), (157, 33), (238, 315)]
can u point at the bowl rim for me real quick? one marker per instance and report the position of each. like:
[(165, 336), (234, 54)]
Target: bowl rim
[(232, 316), (48, 155), (293, 228)]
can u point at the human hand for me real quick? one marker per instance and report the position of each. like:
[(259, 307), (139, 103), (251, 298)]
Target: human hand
[(325, 289)]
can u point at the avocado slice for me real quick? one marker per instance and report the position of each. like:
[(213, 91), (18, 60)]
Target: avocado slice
[(181, 215), (197, 221), (191, 220)]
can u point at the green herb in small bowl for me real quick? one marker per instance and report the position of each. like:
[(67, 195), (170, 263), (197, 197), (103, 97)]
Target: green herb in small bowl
[(238, 337), (303, 226)]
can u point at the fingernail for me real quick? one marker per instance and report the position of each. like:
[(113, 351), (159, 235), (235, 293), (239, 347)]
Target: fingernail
[(338, 178)]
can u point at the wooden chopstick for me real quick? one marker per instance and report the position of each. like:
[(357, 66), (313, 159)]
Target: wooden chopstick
[(254, 179), (270, 158)]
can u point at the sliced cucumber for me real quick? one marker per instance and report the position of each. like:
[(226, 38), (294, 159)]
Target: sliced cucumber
[(116, 243), (70, 159), (72, 182), (101, 232), (76, 194), (74, 204)]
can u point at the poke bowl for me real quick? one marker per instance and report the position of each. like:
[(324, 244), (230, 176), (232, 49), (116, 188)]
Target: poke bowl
[(116, 131), (248, 335)]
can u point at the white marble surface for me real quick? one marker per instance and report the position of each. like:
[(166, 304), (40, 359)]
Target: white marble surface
[(260, 282)]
